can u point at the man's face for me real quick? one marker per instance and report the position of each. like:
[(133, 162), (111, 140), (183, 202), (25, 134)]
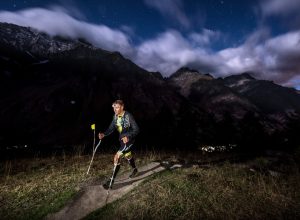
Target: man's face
[(118, 109)]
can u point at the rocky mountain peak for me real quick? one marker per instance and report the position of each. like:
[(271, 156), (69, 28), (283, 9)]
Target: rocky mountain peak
[(241, 76), (37, 44), (185, 77), (187, 72), (238, 80), (184, 70), (31, 41)]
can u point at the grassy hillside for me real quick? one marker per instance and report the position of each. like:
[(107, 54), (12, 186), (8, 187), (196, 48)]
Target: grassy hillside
[(30, 188), (209, 186), (224, 192)]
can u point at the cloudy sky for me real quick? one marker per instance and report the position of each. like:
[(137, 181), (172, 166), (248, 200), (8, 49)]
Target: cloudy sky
[(221, 37)]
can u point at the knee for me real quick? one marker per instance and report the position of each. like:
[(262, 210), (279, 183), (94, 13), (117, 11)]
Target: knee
[(116, 159)]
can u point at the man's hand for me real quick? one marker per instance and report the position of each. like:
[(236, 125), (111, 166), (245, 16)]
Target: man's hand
[(125, 140), (101, 135)]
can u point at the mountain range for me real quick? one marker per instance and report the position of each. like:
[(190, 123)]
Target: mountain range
[(52, 89)]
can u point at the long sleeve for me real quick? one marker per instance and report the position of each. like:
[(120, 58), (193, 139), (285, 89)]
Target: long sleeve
[(134, 127), (111, 128)]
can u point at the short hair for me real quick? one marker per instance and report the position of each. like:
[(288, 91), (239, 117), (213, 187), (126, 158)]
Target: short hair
[(118, 101)]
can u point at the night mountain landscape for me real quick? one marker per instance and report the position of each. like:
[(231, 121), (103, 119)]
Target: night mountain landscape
[(212, 86)]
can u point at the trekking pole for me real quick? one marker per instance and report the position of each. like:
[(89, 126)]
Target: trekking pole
[(110, 183), (94, 151), (94, 148), (113, 175)]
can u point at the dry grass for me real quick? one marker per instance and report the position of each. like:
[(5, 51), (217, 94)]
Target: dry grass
[(30, 189), (227, 191)]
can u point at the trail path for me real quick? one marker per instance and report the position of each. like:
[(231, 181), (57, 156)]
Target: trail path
[(94, 197)]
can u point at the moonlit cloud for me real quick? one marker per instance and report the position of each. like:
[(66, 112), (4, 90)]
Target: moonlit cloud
[(171, 9), (286, 10), (280, 7), (168, 52), (205, 38), (56, 21), (275, 59), (284, 55), (293, 82), (272, 58)]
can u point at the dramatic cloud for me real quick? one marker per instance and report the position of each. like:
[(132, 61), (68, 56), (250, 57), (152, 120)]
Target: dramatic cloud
[(166, 53), (283, 54), (287, 11), (205, 38), (272, 58), (280, 7), (275, 59), (171, 9), (57, 21), (170, 51)]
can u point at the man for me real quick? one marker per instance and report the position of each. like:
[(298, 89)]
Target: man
[(125, 124)]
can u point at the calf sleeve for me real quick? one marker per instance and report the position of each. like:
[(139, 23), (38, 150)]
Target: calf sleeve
[(132, 163)]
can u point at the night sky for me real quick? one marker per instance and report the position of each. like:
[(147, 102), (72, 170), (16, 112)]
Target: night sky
[(221, 37)]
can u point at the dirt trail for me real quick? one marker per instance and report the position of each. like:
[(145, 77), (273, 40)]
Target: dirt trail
[(94, 197)]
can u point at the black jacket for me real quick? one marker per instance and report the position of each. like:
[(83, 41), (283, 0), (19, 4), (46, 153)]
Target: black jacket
[(129, 127)]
